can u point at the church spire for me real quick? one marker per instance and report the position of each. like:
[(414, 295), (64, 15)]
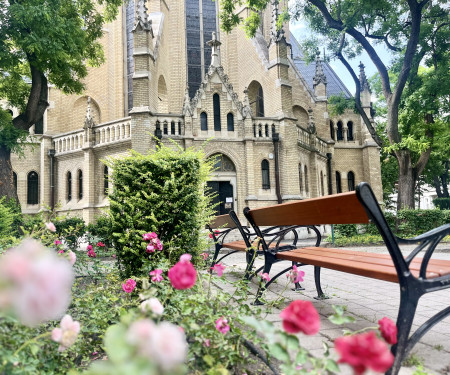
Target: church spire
[(364, 83), (141, 18), (320, 76), (275, 34), (215, 56)]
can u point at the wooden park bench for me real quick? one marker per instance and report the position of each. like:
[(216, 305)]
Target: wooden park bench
[(416, 276)]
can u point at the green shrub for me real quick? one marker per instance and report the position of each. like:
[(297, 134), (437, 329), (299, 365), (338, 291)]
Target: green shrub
[(102, 228), (414, 222), (70, 229), (345, 230), (442, 203), (6, 218), (160, 192)]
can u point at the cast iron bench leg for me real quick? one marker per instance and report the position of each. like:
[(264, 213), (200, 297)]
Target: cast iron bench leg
[(250, 257), (216, 254), (297, 286), (320, 294)]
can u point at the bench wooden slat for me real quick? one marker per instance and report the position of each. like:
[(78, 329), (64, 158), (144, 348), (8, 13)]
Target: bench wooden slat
[(363, 266), (438, 266), (235, 245), (343, 208), (222, 221)]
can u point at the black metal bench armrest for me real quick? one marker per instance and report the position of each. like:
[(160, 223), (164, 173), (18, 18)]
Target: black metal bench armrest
[(280, 235)]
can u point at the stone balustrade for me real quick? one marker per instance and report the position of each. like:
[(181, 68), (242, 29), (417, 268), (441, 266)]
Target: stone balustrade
[(263, 128), (113, 131), (170, 125), (68, 142)]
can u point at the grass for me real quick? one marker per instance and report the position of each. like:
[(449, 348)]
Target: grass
[(413, 360)]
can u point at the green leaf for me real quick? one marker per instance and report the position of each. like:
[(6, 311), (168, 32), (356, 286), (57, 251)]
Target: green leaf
[(115, 345), (332, 366), (279, 352), (209, 360)]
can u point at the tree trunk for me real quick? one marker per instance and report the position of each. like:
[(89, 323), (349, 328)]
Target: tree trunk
[(406, 180), (7, 188)]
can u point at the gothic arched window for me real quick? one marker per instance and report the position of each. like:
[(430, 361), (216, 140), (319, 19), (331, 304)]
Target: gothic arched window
[(105, 180), (349, 131), (230, 122), (69, 186), (216, 110), (351, 181), (32, 188), (265, 174), (222, 163), (203, 121), (260, 103), (80, 184), (340, 131), (332, 130), (338, 183)]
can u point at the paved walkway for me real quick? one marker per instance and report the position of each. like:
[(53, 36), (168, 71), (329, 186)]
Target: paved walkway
[(367, 300)]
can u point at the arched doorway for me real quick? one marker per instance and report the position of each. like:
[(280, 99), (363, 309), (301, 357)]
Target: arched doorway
[(222, 185)]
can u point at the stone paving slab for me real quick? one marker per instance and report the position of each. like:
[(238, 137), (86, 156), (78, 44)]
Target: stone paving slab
[(367, 300)]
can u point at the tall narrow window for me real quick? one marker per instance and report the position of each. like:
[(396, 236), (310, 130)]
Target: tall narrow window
[(105, 180), (265, 174), (306, 180), (172, 127), (266, 130), (15, 180), (260, 103), (69, 186), (273, 130), (351, 181), (203, 121), (179, 128), (300, 178), (33, 188), (332, 130), (166, 128), (230, 122), (338, 183), (349, 131), (80, 184), (321, 183), (216, 110), (340, 132)]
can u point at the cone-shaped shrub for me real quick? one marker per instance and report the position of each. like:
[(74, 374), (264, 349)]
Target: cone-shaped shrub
[(162, 192)]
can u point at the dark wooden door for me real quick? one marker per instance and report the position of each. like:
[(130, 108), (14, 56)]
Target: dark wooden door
[(221, 190)]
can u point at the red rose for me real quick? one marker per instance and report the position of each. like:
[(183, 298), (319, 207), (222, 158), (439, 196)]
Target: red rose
[(301, 316), (388, 330), (364, 351), (183, 275)]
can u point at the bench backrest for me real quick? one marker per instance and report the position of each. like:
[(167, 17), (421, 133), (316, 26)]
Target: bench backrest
[(355, 207), (222, 221)]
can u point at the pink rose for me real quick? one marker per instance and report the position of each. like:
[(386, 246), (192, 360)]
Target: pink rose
[(388, 330), (222, 325), (301, 316), (100, 244), (158, 245), (57, 242), (219, 268), (67, 334), (207, 343), (204, 255), (264, 276), (152, 305), (51, 227), (185, 258), (35, 283), (92, 254), (72, 257), (61, 252), (89, 247), (364, 351), (129, 286), (149, 236), (295, 275), (150, 249), (156, 275), (183, 275), (114, 256)]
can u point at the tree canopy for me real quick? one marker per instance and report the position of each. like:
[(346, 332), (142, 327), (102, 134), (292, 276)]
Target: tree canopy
[(43, 41)]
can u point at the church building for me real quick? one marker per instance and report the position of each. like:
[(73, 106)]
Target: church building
[(171, 75)]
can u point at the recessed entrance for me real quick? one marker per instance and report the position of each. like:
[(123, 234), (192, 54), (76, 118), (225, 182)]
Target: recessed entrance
[(222, 184)]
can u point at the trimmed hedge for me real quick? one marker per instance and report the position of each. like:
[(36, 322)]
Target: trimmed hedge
[(407, 223), (161, 192)]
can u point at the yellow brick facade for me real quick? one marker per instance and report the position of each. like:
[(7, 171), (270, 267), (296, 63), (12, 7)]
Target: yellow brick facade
[(298, 113)]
